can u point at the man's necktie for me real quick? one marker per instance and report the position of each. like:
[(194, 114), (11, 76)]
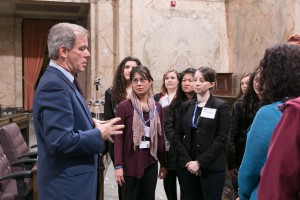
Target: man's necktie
[(76, 83)]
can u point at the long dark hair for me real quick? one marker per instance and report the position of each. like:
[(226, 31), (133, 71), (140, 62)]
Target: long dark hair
[(119, 83), (250, 100), (180, 94)]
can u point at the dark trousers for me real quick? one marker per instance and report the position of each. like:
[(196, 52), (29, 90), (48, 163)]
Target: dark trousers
[(170, 185), (141, 189), (208, 186)]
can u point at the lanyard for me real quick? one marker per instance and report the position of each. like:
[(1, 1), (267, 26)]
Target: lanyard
[(141, 115), (194, 125)]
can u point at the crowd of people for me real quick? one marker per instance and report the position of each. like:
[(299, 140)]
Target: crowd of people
[(181, 133)]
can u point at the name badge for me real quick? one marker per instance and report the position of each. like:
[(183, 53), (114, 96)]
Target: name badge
[(145, 145), (147, 131), (208, 113)]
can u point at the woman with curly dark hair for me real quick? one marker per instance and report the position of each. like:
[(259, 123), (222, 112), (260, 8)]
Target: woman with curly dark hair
[(242, 115), (121, 86), (118, 92), (279, 80)]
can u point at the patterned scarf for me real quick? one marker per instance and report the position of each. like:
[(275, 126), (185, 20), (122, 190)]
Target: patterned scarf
[(138, 125)]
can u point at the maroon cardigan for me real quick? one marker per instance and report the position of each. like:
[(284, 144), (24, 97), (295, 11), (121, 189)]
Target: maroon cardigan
[(280, 177), (134, 162)]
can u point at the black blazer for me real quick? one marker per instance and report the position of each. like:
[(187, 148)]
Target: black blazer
[(211, 135), (109, 113)]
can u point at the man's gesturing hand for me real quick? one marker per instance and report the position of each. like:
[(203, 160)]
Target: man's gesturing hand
[(107, 128)]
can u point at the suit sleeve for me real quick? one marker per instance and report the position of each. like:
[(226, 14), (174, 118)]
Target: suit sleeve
[(280, 175), (57, 120), (220, 138)]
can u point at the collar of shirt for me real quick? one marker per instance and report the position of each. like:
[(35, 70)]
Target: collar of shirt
[(65, 72), (164, 100)]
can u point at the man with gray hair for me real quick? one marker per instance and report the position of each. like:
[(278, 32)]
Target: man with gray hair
[(68, 138)]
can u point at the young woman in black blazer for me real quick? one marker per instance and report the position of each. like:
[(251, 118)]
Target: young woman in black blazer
[(200, 140)]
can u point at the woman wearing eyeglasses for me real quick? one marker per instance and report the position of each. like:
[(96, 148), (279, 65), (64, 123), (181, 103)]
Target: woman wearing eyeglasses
[(119, 91), (142, 143), (200, 140)]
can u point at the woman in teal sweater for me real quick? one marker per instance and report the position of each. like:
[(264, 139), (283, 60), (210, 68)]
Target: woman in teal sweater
[(279, 80)]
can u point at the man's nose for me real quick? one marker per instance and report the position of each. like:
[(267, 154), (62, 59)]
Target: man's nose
[(87, 54)]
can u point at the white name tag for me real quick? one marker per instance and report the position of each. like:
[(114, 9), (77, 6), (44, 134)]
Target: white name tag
[(208, 113), (147, 131), (145, 145)]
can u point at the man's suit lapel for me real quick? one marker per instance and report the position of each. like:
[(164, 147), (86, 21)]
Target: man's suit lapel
[(78, 95), (83, 103)]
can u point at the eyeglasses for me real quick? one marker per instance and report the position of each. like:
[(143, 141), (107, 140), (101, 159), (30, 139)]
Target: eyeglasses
[(136, 81)]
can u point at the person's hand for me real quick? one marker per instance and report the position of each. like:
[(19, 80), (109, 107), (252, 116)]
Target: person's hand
[(107, 128), (238, 198), (119, 176), (163, 171), (234, 173), (194, 167)]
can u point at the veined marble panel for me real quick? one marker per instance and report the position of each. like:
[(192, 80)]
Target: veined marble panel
[(11, 62), (102, 47), (254, 26), (193, 34), (7, 76)]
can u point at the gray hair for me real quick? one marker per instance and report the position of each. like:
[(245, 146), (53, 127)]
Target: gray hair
[(63, 34)]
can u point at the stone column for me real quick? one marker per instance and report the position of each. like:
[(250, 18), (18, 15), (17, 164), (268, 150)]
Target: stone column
[(102, 48)]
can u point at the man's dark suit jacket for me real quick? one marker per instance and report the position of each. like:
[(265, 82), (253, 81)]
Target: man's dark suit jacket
[(68, 143)]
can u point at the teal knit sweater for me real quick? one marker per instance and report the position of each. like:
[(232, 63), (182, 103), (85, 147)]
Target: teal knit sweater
[(257, 144)]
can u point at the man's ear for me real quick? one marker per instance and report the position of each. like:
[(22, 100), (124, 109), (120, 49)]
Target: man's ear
[(62, 50)]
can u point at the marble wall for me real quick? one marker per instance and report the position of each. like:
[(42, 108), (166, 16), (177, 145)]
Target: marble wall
[(228, 35), (253, 26), (192, 34), (11, 62)]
